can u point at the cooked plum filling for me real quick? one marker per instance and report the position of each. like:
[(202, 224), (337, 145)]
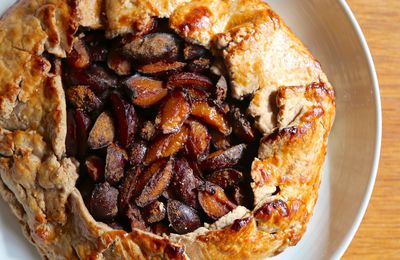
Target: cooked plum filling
[(161, 143)]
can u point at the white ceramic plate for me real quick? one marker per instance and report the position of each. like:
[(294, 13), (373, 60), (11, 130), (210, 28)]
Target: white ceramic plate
[(331, 32)]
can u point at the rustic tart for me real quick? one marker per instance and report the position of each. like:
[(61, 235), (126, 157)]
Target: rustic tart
[(159, 129)]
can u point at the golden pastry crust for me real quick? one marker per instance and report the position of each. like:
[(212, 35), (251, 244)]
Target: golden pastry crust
[(133, 16), (293, 103)]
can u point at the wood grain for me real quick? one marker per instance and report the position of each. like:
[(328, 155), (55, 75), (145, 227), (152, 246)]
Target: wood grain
[(379, 234)]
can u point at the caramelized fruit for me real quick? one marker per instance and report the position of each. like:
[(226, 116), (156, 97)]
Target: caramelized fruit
[(182, 218), (83, 124), (185, 183), (191, 51), (197, 94), (98, 78), (214, 201), (117, 62), (115, 164), (211, 115), (129, 188), (157, 184), (161, 68), (167, 145), (241, 126), (103, 202), (144, 91), (71, 143), (102, 133), (199, 65), (82, 97), (190, 80), (135, 218), (220, 141), (198, 142), (154, 212), (223, 158), (221, 90), (174, 113), (137, 152), (144, 178), (126, 118), (226, 178), (160, 140)]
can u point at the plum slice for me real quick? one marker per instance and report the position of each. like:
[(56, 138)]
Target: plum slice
[(192, 51), (190, 80), (98, 53), (224, 158), (226, 178), (199, 65), (70, 140), (154, 212), (103, 202), (167, 145), (145, 92), (219, 141), (241, 126), (197, 94), (136, 181), (83, 124), (182, 218), (129, 188), (135, 218), (127, 120), (221, 90), (157, 184), (115, 164), (117, 62), (198, 142), (211, 115), (83, 98), (161, 68), (174, 113), (137, 152), (214, 201), (102, 133), (185, 182), (98, 78)]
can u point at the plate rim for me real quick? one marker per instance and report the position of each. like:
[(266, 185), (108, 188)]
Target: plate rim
[(378, 138)]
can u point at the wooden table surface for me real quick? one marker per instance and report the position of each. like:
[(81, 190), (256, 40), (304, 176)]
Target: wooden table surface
[(379, 234)]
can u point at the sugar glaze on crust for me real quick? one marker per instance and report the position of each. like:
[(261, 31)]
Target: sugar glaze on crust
[(293, 104)]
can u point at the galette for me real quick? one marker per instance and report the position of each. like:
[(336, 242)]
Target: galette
[(156, 129)]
